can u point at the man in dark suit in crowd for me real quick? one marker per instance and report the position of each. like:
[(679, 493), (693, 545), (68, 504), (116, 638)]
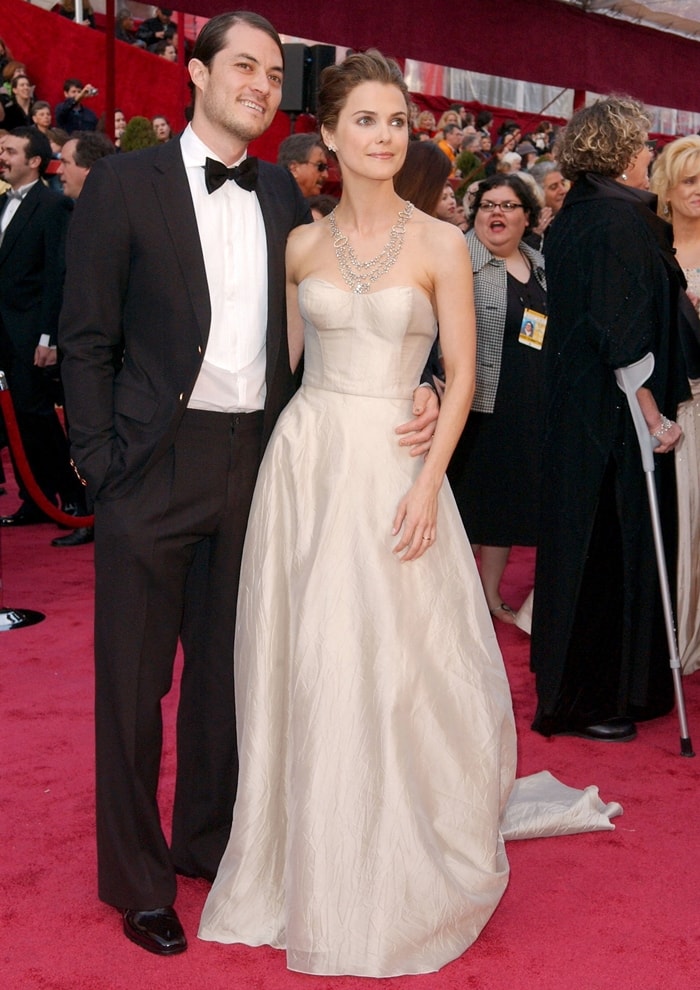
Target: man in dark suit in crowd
[(176, 367), (33, 225), (78, 155), (157, 28)]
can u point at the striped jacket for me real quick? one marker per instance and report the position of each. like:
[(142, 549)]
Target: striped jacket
[(491, 300)]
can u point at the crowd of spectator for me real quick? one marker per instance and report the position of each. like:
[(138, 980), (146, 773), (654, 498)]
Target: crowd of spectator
[(518, 164), (46, 154)]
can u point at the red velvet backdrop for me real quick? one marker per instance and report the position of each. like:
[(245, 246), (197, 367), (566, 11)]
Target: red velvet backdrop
[(582, 51), (145, 84), (541, 41)]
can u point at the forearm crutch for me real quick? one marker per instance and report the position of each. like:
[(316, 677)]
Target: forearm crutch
[(630, 379)]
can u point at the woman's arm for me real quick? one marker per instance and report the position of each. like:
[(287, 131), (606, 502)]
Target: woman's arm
[(451, 270), (295, 323)]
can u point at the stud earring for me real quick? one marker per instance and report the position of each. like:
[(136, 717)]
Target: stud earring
[(331, 147), (624, 177)]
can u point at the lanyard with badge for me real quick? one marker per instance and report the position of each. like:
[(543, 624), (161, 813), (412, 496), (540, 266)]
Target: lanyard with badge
[(532, 329)]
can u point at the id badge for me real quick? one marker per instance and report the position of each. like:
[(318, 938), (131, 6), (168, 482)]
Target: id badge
[(533, 329)]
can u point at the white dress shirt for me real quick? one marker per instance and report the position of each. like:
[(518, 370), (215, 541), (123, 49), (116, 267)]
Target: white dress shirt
[(12, 204), (232, 234)]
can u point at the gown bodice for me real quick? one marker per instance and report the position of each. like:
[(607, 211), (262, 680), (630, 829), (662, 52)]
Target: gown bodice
[(372, 345)]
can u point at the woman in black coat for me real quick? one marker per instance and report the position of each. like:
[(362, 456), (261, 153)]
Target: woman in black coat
[(598, 641)]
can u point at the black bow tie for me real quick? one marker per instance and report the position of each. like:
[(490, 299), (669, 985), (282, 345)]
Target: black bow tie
[(245, 175)]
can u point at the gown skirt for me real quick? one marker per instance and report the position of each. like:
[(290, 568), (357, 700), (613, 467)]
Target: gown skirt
[(376, 736)]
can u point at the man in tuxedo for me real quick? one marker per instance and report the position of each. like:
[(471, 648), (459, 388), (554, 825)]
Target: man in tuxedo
[(176, 367), (33, 225)]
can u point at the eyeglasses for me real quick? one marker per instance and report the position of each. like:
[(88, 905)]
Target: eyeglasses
[(488, 206), (321, 166)]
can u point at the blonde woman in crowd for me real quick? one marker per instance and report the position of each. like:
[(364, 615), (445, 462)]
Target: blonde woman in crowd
[(676, 180)]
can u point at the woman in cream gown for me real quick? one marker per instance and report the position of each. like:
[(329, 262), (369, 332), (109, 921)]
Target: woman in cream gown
[(376, 736), (676, 180)]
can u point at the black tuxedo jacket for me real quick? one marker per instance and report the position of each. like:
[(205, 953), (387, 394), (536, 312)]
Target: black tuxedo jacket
[(136, 310), (32, 267)]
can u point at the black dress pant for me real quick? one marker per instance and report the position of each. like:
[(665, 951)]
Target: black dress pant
[(167, 558)]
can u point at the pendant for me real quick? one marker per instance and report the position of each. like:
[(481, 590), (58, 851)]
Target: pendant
[(361, 288)]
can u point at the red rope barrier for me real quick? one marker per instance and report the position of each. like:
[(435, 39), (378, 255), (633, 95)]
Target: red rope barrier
[(25, 472)]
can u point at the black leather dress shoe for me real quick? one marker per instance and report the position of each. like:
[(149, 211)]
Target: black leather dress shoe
[(618, 729), (76, 538), (157, 931), (26, 515)]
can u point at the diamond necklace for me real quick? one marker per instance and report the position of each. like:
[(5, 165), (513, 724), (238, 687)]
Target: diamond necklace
[(360, 275)]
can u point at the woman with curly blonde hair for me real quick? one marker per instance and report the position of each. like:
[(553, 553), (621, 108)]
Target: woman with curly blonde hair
[(598, 637), (608, 139), (676, 181)]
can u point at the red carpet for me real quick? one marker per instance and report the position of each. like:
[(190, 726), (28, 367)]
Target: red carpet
[(607, 911)]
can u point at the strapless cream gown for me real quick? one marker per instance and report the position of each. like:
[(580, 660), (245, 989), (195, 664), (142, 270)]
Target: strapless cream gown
[(376, 736)]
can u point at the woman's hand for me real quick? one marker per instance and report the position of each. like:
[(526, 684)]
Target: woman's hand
[(667, 435), (663, 430), (546, 217), (416, 517)]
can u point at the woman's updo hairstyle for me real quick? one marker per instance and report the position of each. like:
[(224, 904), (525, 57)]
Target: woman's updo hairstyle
[(338, 81)]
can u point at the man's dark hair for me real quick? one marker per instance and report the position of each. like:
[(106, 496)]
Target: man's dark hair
[(71, 82), (37, 145), (449, 128), (160, 46), (324, 203), (212, 38), (297, 148), (90, 146)]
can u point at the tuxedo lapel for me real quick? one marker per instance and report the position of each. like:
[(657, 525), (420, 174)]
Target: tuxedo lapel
[(24, 212), (275, 271), (172, 191)]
